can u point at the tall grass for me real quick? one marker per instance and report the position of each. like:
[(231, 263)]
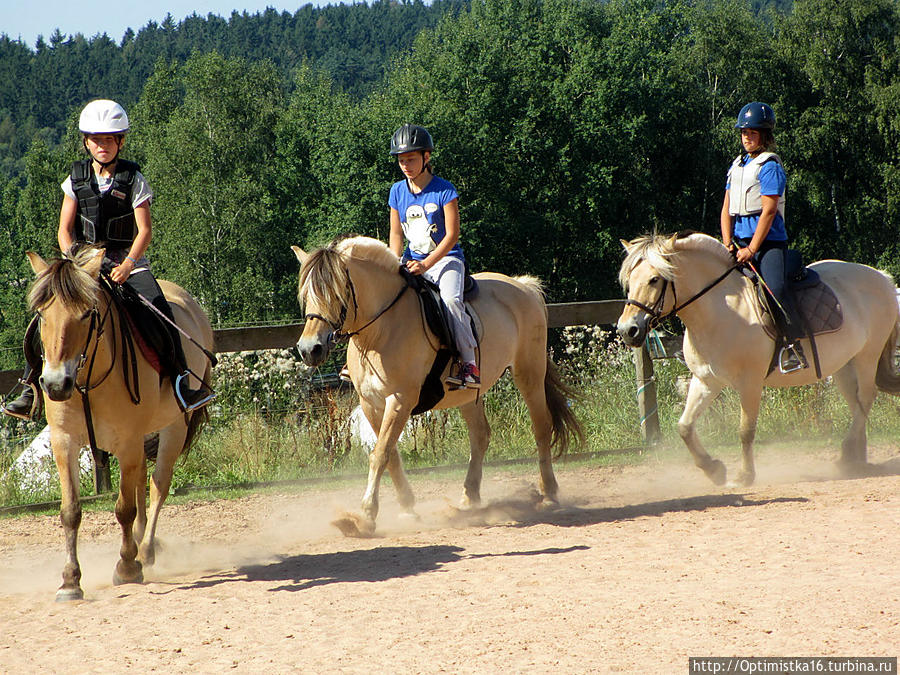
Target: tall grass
[(272, 422)]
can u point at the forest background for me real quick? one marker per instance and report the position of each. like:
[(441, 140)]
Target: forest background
[(565, 124)]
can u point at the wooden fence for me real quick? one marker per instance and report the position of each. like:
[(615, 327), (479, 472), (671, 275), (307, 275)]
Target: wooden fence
[(592, 313)]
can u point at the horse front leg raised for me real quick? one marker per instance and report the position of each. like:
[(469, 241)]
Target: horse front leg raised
[(383, 456), (131, 462), (479, 437), (65, 454), (700, 395)]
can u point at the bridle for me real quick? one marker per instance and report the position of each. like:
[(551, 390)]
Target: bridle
[(656, 309), (338, 333)]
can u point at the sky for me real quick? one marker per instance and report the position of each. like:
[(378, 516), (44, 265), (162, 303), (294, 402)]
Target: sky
[(26, 19)]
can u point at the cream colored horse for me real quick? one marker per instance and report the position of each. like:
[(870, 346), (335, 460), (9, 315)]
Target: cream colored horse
[(353, 286), (80, 333), (725, 344)]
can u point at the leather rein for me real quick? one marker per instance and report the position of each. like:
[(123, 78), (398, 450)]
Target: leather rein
[(656, 309), (339, 334)]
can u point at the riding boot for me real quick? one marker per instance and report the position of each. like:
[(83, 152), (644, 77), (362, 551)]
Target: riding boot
[(188, 398), (28, 404)]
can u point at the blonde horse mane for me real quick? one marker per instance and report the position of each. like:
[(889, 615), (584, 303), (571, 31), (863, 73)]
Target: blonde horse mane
[(658, 250), (65, 280), (324, 277)]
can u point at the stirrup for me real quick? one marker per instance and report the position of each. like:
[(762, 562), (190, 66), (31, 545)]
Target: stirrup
[(784, 356), (455, 379), (185, 407), (344, 375), (36, 403)]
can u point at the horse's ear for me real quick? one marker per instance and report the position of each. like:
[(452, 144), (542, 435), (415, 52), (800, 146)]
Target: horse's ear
[(672, 240), (300, 253), (37, 262), (625, 244), (92, 266)]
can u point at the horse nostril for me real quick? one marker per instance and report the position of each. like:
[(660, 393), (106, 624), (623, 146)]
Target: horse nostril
[(633, 331)]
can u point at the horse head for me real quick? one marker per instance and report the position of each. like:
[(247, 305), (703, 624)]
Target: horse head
[(322, 291), (646, 275), (65, 294)]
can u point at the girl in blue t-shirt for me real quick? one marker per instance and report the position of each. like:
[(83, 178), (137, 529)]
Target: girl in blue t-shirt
[(752, 220), (425, 211)]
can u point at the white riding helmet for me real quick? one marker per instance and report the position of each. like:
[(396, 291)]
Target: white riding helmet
[(103, 117)]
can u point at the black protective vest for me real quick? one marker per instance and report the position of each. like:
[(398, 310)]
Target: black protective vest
[(106, 219)]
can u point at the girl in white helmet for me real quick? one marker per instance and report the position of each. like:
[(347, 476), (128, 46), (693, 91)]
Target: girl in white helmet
[(107, 203)]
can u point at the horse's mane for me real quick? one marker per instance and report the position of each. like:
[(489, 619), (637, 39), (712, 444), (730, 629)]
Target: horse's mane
[(66, 281), (324, 276), (658, 250)]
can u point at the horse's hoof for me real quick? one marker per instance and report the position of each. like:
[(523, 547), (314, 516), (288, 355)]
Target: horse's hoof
[(352, 525), (548, 504), (147, 557), (121, 575), (855, 469), (69, 594), (745, 479), (716, 472), (469, 503), (409, 516)]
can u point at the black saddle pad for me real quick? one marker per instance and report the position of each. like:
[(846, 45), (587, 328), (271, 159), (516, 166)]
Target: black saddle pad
[(152, 333)]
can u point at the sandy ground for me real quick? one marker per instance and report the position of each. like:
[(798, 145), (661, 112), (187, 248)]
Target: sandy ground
[(642, 567)]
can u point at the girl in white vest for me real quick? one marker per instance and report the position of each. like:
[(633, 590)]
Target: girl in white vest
[(752, 219)]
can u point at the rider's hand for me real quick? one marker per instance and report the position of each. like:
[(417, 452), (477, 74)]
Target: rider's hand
[(121, 272), (415, 267), (744, 255)]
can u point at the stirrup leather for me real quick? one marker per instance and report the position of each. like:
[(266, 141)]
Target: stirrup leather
[(182, 403)]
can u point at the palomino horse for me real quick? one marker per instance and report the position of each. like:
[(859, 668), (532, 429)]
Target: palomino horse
[(725, 343), (81, 333), (353, 287)]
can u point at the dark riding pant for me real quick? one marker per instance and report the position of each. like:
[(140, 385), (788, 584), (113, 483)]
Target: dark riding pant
[(772, 266)]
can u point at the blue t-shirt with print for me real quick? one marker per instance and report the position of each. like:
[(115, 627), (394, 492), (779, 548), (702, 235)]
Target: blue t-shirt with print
[(422, 216), (772, 181)]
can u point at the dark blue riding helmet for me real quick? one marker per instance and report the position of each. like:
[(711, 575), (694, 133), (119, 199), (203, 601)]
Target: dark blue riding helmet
[(756, 116), (410, 137)]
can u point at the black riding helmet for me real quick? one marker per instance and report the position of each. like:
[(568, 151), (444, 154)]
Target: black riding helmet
[(409, 138), (755, 115)]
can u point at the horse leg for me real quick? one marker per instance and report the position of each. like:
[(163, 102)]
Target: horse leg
[(700, 395), (750, 399), (479, 437), (171, 443), (128, 569), (140, 497), (529, 374), (392, 423), (65, 454), (858, 389)]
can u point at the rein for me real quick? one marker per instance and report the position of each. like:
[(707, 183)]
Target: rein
[(655, 310), (340, 334)]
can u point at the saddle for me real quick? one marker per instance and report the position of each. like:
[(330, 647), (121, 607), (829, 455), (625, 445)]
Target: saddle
[(818, 308), (436, 316)]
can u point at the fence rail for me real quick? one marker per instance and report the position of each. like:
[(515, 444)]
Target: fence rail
[(560, 315)]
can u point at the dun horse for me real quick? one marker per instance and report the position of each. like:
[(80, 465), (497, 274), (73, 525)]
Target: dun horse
[(725, 343), (81, 333), (353, 287)]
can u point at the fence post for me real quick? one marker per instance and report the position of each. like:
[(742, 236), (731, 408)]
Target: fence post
[(646, 395)]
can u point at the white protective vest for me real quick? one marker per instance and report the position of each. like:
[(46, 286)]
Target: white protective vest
[(744, 198)]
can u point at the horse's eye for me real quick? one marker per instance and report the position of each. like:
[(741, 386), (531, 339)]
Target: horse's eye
[(86, 315), (653, 280)]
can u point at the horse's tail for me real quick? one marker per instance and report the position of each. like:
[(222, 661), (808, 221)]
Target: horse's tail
[(887, 378), (566, 427)]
